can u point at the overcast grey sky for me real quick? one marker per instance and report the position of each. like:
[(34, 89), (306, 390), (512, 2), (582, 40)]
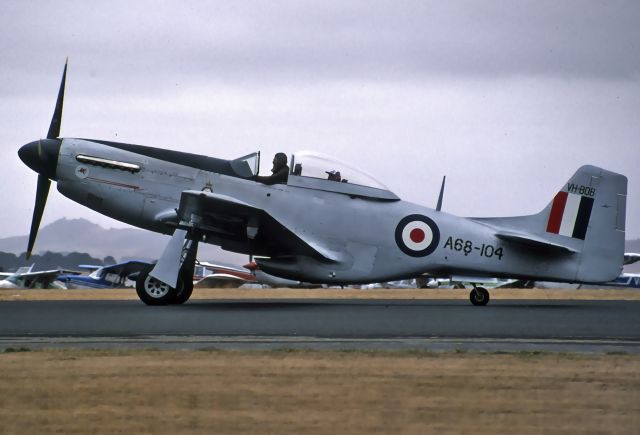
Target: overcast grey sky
[(507, 98)]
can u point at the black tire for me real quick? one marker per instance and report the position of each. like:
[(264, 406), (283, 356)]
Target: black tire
[(154, 292), (185, 282), (479, 296)]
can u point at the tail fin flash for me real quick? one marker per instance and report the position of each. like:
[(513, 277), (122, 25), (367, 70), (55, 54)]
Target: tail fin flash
[(570, 213), (591, 207)]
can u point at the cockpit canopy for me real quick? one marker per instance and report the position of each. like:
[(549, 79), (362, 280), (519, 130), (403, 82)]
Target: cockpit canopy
[(317, 165), (312, 170)]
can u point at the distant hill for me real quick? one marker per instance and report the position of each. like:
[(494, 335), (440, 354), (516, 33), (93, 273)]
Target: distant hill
[(80, 235)]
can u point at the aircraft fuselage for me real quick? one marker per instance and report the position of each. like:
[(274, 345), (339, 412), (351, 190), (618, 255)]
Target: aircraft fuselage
[(370, 240)]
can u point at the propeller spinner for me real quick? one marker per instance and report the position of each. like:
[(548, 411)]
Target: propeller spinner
[(42, 157)]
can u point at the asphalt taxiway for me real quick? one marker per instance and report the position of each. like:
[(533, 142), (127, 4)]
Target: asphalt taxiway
[(503, 325)]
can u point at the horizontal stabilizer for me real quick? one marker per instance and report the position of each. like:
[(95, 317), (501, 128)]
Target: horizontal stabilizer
[(535, 241)]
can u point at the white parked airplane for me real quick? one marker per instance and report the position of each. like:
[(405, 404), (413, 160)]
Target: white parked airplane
[(24, 277), (209, 275)]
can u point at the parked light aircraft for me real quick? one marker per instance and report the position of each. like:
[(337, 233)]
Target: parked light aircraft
[(275, 281), (628, 280), (631, 257), (25, 277), (454, 282), (369, 235), (207, 275), (112, 276)]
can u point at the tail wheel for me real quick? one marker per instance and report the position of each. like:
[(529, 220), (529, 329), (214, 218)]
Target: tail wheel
[(479, 296), (154, 292)]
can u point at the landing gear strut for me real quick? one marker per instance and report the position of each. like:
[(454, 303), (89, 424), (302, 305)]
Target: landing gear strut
[(479, 296)]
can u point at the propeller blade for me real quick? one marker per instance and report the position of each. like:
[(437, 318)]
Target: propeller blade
[(439, 206), (41, 199), (54, 127)]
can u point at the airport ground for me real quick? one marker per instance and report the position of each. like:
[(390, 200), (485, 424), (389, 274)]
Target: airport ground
[(285, 390), (146, 391), (331, 293)]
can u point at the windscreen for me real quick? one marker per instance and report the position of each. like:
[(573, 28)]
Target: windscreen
[(246, 166)]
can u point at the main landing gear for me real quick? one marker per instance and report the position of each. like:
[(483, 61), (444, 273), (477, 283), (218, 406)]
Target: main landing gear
[(152, 291), (479, 296)]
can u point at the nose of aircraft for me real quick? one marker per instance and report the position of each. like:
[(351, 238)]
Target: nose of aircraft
[(41, 156)]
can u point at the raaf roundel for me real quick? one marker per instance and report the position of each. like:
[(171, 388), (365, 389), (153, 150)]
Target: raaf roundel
[(417, 235)]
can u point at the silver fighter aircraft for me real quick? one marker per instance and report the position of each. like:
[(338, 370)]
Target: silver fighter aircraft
[(343, 229)]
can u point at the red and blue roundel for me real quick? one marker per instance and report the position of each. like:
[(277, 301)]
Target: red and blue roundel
[(417, 235)]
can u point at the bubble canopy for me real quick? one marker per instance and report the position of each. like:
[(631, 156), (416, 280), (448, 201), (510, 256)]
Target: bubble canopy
[(317, 165)]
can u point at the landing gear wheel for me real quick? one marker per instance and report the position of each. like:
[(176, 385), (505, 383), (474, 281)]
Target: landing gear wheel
[(479, 296), (185, 277), (154, 292), (185, 282)]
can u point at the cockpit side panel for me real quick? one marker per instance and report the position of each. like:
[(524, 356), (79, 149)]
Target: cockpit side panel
[(344, 188)]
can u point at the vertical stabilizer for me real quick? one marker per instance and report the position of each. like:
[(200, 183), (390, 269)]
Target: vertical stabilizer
[(591, 207), (579, 235)]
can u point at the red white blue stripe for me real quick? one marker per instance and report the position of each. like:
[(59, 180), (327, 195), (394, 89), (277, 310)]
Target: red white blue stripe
[(570, 215)]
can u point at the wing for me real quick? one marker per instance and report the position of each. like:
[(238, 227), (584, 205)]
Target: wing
[(89, 266), (39, 279), (41, 274), (238, 226), (631, 257), (128, 268)]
